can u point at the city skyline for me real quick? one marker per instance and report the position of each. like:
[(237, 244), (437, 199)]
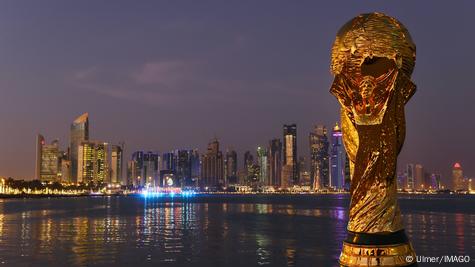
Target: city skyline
[(178, 94), (327, 166)]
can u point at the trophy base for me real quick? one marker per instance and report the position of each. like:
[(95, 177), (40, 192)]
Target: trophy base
[(363, 249)]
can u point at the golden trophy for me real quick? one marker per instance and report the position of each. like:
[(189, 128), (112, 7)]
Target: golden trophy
[(372, 60)]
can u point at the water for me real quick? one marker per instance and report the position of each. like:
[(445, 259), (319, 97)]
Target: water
[(212, 231)]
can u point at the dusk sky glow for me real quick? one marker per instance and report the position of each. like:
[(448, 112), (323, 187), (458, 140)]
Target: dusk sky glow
[(161, 75)]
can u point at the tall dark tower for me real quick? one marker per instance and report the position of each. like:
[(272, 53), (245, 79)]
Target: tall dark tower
[(319, 165), (275, 162), (290, 153), (231, 167), (79, 133)]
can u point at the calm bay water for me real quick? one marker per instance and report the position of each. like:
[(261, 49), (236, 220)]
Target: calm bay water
[(213, 231)]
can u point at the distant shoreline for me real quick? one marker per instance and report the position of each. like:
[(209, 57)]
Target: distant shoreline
[(206, 195)]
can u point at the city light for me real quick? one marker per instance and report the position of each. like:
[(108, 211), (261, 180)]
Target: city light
[(167, 192)]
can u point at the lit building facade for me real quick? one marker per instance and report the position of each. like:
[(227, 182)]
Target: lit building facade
[(116, 165), (337, 160), (410, 172), (65, 167), (263, 178), (435, 181), (319, 158), (401, 181), (48, 161), (146, 172), (290, 154), (248, 167), (168, 162), (457, 178), (419, 177), (79, 133), (304, 174), (93, 165), (212, 169)]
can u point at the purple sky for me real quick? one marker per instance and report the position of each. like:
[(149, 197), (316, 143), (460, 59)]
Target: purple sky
[(161, 75)]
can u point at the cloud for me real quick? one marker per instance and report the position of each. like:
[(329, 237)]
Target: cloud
[(191, 83), (167, 73), (162, 83)]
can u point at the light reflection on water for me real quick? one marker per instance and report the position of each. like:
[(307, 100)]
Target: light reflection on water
[(129, 231)]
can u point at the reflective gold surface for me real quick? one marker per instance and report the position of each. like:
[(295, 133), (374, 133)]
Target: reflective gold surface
[(390, 255), (372, 59)]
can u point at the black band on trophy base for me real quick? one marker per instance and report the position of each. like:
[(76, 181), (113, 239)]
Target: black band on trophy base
[(381, 249), (398, 237)]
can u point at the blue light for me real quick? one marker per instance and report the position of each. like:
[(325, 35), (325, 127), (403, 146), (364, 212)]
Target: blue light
[(154, 194)]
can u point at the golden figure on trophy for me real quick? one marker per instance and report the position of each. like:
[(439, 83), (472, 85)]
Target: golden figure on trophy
[(372, 59)]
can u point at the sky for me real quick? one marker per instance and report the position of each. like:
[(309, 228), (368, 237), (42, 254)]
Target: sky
[(161, 75)]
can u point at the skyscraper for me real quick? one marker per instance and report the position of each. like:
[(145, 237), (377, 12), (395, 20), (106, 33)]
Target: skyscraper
[(457, 177), (40, 141), (435, 181), (183, 167), (248, 166), (419, 177), (212, 171), (401, 181), (48, 162), (304, 174), (65, 168), (79, 133), (275, 162), (263, 178), (195, 163), (231, 167), (93, 165), (116, 165), (319, 164), (146, 170), (347, 173), (290, 155), (410, 177), (337, 160), (132, 175)]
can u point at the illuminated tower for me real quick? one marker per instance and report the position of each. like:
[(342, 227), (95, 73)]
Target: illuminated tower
[(319, 172), (410, 177), (93, 164), (212, 171), (146, 169), (337, 161), (290, 155), (418, 177), (263, 166), (40, 141), (79, 133), (116, 164), (457, 177), (48, 161), (248, 166)]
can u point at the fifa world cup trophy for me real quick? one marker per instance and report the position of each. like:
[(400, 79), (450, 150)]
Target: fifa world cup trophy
[(372, 60)]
